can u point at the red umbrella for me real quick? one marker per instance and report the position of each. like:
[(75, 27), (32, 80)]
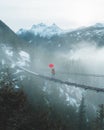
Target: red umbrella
[(51, 65)]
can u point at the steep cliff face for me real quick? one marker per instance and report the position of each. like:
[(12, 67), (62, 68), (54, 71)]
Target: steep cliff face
[(9, 38)]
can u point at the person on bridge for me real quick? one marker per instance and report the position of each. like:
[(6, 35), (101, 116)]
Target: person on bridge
[(52, 69)]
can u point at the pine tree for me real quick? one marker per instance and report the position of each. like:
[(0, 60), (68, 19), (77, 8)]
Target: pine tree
[(81, 116), (14, 112), (100, 118)]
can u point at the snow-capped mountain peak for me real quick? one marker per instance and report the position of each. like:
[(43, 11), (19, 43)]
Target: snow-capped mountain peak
[(46, 31), (43, 30)]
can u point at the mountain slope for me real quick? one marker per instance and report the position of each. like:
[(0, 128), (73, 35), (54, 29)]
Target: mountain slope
[(93, 33), (8, 37), (12, 47), (64, 41)]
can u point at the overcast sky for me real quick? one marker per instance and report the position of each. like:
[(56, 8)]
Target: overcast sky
[(65, 13)]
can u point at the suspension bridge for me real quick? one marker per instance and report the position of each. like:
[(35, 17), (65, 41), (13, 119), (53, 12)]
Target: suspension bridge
[(69, 83), (86, 87)]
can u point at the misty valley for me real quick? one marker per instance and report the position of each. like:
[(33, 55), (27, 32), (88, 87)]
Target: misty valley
[(51, 79)]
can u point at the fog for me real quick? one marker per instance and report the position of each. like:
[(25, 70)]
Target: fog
[(83, 58)]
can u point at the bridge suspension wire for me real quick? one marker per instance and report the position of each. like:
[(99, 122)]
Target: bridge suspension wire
[(63, 82), (83, 74), (77, 74)]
